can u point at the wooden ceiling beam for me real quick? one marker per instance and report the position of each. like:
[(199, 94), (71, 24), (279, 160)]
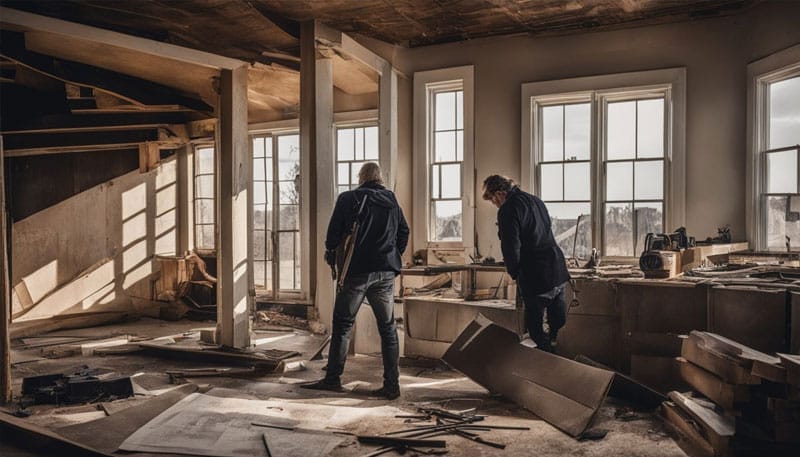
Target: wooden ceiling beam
[(25, 144), (61, 123), (135, 90)]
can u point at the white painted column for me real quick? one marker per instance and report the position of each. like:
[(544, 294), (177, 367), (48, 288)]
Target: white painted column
[(387, 124), (316, 139), (233, 171), (183, 180)]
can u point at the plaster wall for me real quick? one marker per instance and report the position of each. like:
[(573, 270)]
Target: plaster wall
[(94, 251), (715, 53)]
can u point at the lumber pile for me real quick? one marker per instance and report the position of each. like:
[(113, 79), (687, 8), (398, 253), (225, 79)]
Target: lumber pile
[(745, 402)]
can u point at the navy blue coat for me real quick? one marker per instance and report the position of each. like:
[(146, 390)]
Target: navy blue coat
[(530, 251), (382, 234)]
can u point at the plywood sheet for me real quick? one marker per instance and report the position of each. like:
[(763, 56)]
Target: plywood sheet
[(565, 393), (750, 316)]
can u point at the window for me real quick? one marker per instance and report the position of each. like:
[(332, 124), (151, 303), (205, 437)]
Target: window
[(775, 145), (354, 147), (276, 213), (204, 237), (443, 158), (603, 154)]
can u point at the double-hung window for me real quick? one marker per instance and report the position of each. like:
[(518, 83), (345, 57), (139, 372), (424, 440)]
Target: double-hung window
[(775, 145), (204, 216), (605, 154), (443, 158), (354, 147)]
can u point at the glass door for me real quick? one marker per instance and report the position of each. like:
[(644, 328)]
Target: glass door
[(276, 215)]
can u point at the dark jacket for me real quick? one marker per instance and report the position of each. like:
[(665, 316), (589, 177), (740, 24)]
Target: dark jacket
[(382, 234), (530, 251)]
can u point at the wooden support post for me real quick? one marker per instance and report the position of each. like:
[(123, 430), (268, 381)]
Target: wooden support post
[(387, 124), (5, 292), (233, 170), (149, 157), (316, 133)]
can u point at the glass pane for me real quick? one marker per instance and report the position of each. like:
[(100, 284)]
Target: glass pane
[(460, 145), (359, 143), (649, 181), (564, 218), (260, 217), (259, 192), (553, 133), (206, 237), (451, 181), (619, 181), (552, 180), (447, 220), (649, 219), (371, 145), (289, 217), (445, 147), (269, 275), (258, 146), (621, 133), (204, 186), (650, 125), (782, 172), (259, 171), (269, 172), (618, 229), (289, 193), (259, 244), (345, 144), (286, 260), (204, 211), (784, 113), (204, 160), (577, 181), (288, 156), (577, 130), (783, 219), (343, 174), (460, 109), (355, 167), (445, 106), (259, 274), (268, 146), (435, 182)]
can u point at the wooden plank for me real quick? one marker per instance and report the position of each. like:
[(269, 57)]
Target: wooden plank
[(727, 396), (5, 291), (211, 355), (388, 125), (728, 368), (233, 164), (717, 428), (753, 317), (683, 424), (65, 321), (792, 364), (41, 440)]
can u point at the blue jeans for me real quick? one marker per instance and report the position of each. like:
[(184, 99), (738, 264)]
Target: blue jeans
[(378, 288)]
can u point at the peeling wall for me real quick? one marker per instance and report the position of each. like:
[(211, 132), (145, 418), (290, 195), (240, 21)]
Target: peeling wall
[(715, 53), (94, 251)]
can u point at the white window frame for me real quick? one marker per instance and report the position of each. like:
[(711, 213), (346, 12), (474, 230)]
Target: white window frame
[(427, 83), (359, 119), (194, 198), (599, 90), (760, 74)]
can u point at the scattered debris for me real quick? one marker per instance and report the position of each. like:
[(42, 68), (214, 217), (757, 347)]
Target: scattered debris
[(82, 385)]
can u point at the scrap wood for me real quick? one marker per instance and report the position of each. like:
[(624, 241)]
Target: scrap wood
[(318, 353), (792, 364), (715, 428), (729, 368), (400, 442), (175, 375), (213, 355), (717, 390), (680, 422)]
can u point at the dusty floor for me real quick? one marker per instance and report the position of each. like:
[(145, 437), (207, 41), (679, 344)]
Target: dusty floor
[(645, 435)]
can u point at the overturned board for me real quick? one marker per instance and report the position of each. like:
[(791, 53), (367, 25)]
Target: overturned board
[(565, 393)]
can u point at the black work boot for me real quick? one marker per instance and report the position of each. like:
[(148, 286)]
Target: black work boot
[(385, 392), (323, 384)]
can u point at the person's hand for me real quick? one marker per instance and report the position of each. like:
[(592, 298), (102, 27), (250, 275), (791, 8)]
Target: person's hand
[(330, 257)]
